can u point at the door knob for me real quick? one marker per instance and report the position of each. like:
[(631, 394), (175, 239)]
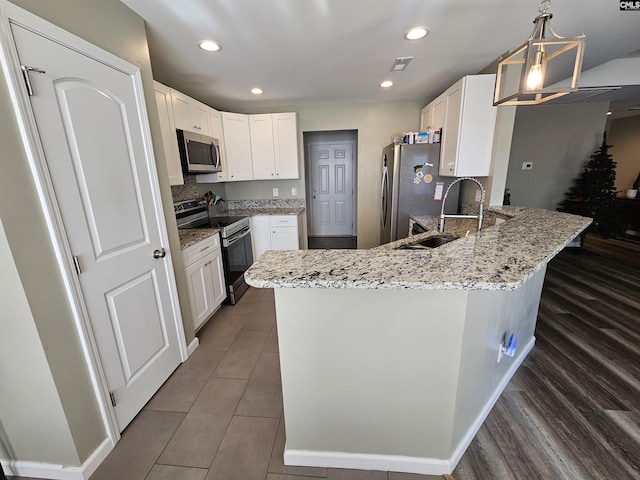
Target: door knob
[(159, 253)]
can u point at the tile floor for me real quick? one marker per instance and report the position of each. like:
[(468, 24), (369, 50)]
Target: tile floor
[(219, 416)]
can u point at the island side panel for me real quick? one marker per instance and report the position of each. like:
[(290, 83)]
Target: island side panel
[(482, 379), (370, 371)]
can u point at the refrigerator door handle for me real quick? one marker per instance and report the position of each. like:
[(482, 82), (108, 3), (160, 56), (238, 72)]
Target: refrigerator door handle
[(384, 195)]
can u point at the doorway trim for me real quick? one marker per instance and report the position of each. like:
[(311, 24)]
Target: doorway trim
[(12, 14), (327, 137)]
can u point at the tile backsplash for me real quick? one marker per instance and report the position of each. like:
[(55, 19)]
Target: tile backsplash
[(188, 191)]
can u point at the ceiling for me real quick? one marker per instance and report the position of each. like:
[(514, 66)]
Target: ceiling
[(319, 51)]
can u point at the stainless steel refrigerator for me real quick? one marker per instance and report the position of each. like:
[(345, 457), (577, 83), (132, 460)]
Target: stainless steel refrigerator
[(410, 181)]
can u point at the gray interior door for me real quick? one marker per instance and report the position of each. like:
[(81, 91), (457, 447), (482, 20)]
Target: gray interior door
[(331, 189)]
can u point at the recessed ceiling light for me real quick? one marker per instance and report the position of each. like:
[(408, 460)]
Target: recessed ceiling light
[(386, 84), (417, 33), (209, 46), (257, 91)]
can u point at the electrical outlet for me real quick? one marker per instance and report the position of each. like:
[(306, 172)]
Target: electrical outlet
[(275, 192), (294, 191), (527, 165)]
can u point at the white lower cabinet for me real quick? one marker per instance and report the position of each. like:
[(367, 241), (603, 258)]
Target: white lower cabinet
[(205, 278), (274, 232)]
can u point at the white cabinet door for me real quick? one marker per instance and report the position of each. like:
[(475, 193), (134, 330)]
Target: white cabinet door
[(181, 114), (438, 113), (205, 278), (262, 148), (200, 287), (470, 118), (426, 115), (217, 278), (237, 146), (451, 131), (216, 127), (260, 235), (284, 232), (284, 238), (285, 142), (189, 114), (168, 130), (201, 117)]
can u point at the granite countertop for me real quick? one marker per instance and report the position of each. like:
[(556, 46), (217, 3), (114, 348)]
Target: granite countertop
[(500, 257), (191, 236), (250, 212)]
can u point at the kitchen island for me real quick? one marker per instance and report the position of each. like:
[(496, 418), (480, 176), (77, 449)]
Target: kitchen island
[(391, 359)]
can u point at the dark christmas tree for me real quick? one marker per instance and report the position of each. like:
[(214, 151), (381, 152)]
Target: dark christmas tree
[(593, 194)]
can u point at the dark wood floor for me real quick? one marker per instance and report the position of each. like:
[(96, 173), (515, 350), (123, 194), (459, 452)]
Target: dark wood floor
[(573, 409), (333, 242)]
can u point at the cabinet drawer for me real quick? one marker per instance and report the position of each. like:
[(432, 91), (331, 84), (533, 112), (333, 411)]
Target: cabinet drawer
[(283, 221), (200, 249)]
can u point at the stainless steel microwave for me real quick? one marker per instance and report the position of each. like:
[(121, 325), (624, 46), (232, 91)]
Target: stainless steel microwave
[(199, 153)]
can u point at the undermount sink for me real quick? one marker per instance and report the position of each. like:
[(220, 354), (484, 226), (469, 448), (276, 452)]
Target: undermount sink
[(431, 242)]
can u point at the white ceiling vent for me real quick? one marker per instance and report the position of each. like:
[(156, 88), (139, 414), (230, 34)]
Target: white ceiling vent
[(400, 64)]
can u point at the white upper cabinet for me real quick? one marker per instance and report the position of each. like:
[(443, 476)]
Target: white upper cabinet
[(432, 116), (466, 114), (168, 129), (237, 146), (262, 147), (190, 114), (274, 146), (285, 141)]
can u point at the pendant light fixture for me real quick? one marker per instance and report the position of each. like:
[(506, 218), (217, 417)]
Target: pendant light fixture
[(538, 70)]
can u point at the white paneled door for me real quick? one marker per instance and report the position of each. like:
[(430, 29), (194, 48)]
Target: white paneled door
[(332, 189), (92, 125)]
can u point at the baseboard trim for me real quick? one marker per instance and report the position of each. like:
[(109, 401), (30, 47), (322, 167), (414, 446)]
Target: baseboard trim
[(484, 413), (52, 471), (193, 345), (399, 463), (365, 461)]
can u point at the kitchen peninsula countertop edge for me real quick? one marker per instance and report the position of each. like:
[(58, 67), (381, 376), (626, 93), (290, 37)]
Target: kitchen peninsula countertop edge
[(500, 257)]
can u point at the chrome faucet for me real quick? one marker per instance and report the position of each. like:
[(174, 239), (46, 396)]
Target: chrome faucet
[(446, 193)]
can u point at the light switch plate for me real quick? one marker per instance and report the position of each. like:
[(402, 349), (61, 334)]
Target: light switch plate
[(294, 191), (527, 165)]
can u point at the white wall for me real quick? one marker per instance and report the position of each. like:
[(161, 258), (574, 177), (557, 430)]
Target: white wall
[(559, 140)]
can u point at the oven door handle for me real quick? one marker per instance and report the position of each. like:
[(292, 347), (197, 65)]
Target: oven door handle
[(236, 236)]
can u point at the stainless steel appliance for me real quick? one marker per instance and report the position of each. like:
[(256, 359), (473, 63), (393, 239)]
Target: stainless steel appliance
[(235, 233), (411, 186), (199, 153)]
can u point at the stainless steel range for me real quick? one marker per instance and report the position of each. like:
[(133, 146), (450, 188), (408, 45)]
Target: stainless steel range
[(235, 233)]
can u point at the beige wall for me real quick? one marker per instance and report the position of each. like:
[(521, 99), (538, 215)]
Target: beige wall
[(624, 135), (112, 26), (31, 413), (559, 140)]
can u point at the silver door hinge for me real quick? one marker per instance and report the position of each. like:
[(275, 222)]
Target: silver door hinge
[(76, 263), (113, 399), (25, 73)]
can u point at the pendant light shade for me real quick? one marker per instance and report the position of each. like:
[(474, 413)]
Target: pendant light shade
[(545, 67)]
